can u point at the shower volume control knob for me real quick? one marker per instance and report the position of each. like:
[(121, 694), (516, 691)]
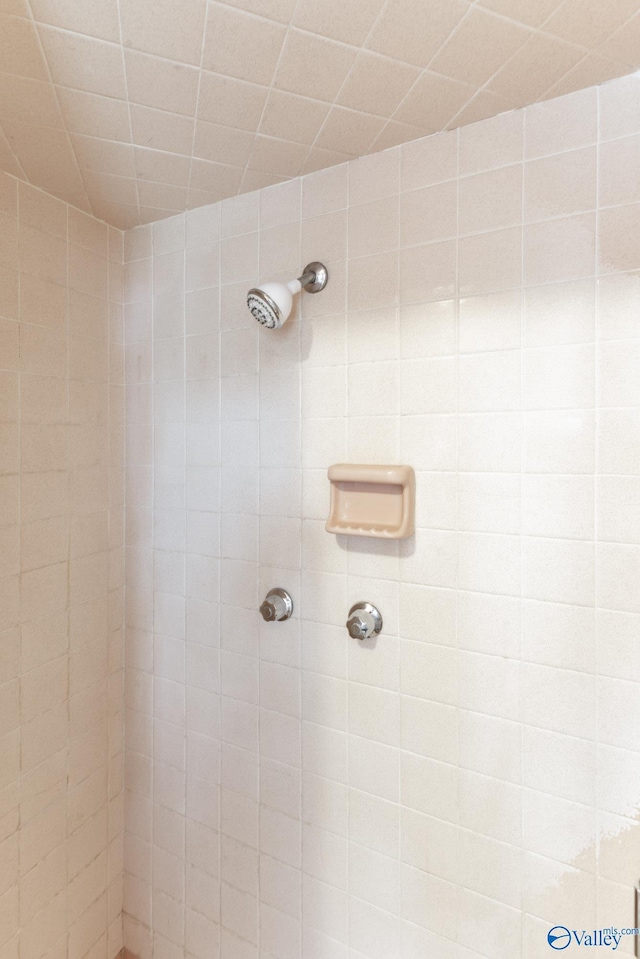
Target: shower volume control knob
[(277, 606), (364, 621)]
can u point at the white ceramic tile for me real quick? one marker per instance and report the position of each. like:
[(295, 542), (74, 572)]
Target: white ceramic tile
[(397, 780)]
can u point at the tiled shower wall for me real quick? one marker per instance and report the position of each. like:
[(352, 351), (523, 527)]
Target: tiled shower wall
[(473, 777), (61, 579)]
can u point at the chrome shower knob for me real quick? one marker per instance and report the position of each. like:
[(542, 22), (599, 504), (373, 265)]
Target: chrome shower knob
[(277, 606), (364, 621), (357, 628)]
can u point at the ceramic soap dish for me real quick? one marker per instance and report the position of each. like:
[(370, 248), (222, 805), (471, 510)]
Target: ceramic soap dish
[(372, 500)]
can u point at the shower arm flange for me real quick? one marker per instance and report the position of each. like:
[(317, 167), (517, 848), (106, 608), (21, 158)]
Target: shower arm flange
[(314, 278)]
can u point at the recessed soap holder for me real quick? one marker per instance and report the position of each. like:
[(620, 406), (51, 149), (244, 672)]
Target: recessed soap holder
[(372, 500)]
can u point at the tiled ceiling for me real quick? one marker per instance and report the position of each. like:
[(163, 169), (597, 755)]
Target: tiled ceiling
[(137, 109)]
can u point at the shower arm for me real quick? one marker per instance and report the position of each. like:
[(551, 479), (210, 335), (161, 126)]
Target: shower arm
[(314, 279), (308, 277)]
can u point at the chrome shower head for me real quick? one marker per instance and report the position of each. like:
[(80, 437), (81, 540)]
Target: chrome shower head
[(271, 303)]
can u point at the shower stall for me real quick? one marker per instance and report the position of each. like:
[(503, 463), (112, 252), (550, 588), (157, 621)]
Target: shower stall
[(466, 780), (230, 732)]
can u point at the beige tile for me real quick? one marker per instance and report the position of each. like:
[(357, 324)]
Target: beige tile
[(291, 117), (43, 255), (242, 46), (19, 48), (9, 343), (280, 10), (593, 70), (9, 253), (348, 131), (222, 144), (480, 45), (336, 21), (42, 211), (313, 64), (102, 22), (230, 102), (161, 83), (34, 390), (483, 106), (162, 167), (153, 27), (376, 84), (16, 8), (47, 158), (218, 177), (103, 156), (95, 116), (85, 64), (318, 159), (277, 156), (531, 12), (10, 162), (109, 188), (393, 134), (413, 32), (9, 293), (158, 130), (622, 45), (9, 402), (257, 180), (9, 196), (35, 99), (43, 351), (534, 68), (432, 102)]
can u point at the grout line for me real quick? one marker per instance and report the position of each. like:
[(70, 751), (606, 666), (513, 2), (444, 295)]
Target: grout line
[(197, 103), (14, 156), (256, 334), (457, 441), (219, 242), (348, 74), (126, 84), (57, 99), (520, 524), (596, 525), (152, 623), (269, 89)]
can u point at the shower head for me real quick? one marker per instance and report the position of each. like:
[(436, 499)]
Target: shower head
[(271, 303)]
